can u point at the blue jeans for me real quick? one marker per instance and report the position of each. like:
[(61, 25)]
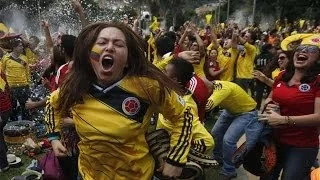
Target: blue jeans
[(294, 161), (228, 130)]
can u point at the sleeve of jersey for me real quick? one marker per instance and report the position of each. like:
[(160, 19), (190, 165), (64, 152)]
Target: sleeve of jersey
[(174, 110), (52, 118), (3, 64), (198, 68), (217, 97), (250, 48), (163, 63)]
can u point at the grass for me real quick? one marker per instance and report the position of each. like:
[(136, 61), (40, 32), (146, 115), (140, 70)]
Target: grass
[(26, 161), (16, 171)]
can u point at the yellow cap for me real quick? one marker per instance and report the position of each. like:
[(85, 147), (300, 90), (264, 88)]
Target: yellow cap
[(307, 39)]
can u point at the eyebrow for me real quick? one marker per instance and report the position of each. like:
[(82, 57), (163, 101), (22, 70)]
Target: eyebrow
[(112, 39)]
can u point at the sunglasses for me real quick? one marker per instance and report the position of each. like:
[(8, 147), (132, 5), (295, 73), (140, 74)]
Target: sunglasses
[(308, 48), (282, 57)]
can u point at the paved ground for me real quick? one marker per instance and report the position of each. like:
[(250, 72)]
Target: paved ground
[(212, 174)]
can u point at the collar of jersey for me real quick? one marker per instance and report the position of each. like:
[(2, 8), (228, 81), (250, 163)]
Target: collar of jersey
[(104, 90)]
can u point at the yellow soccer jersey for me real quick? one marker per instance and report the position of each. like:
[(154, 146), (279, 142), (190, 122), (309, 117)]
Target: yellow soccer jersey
[(16, 70), (226, 60), (231, 97), (31, 56), (112, 124), (245, 61), (198, 68), (202, 140)]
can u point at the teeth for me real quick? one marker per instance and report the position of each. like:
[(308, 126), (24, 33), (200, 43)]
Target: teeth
[(108, 58)]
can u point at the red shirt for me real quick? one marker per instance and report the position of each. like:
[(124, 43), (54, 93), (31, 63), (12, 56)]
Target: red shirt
[(53, 84), (200, 94), (61, 74), (5, 101), (296, 100)]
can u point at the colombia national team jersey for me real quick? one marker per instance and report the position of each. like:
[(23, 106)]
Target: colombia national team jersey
[(112, 123), (246, 61), (199, 68), (16, 70), (296, 100), (226, 60), (202, 140), (231, 97)]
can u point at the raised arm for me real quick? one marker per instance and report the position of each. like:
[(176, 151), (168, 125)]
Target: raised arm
[(234, 40), (183, 37), (214, 39), (79, 9), (202, 49), (49, 41)]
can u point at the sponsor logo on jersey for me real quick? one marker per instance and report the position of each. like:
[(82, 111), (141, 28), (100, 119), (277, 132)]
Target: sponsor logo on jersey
[(304, 87), (131, 106)]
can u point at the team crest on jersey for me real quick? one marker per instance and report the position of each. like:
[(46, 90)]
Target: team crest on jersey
[(304, 87), (131, 106)]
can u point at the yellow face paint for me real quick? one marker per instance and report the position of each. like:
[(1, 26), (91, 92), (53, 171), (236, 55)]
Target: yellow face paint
[(96, 52)]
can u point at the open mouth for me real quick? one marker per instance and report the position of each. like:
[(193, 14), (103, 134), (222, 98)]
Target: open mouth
[(107, 62), (302, 57)]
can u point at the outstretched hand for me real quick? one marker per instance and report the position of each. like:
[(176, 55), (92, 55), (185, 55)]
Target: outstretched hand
[(191, 56)]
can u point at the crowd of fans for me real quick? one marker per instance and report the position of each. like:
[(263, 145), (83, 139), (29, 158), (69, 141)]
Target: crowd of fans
[(105, 85)]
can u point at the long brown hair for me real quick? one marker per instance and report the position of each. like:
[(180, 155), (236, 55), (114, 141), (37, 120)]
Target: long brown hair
[(81, 75)]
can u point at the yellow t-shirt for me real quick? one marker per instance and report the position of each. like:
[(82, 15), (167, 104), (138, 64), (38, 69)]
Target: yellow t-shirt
[(226, 60), (17, 71), (202, 140), (112, 124), (198, 68), (231, 97), (245, 61), (31, 56)]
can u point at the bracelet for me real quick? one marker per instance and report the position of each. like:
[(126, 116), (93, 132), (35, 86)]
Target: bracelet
[(289, 121)]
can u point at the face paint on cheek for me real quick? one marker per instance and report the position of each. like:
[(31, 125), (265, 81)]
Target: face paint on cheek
[(96, 53)]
